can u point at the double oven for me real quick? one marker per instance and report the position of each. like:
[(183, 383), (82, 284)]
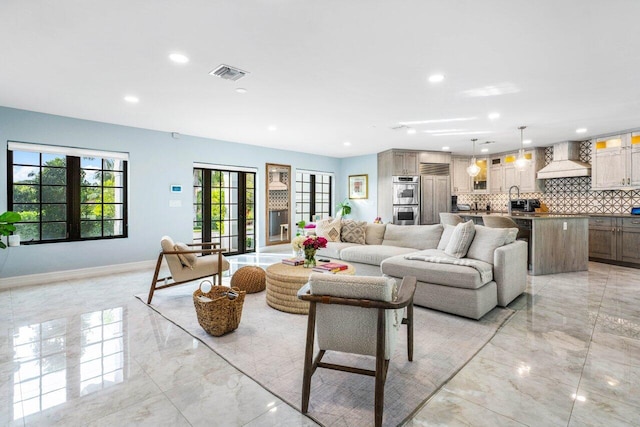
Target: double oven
[(406, 200)]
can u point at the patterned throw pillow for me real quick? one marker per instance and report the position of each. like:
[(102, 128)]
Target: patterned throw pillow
[(188, 260), (461, 239), (329, 229), (352, 231)]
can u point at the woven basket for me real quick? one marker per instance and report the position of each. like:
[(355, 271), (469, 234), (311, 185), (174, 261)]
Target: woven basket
[(250, 278), (220, 315)]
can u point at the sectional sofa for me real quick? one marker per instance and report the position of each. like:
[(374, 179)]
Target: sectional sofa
[(465, 270)]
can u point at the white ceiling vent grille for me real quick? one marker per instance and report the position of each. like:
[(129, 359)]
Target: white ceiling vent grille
[(228, 72)]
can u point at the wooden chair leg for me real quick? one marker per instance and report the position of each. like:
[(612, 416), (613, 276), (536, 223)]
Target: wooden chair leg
[(155, 278), (410, 331), (219, 269), (380, 368), (308, 357)]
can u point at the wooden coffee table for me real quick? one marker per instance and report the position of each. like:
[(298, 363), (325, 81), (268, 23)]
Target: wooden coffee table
[(284, 281)]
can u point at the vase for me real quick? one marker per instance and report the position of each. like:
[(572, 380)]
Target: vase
[(309, 258)]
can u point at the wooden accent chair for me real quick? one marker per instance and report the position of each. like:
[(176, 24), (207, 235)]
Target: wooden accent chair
[(356, 314), (185, 267), (450, 218)]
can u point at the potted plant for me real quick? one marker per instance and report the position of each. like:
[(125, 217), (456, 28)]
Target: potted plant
[(6, 224), (344, 208)]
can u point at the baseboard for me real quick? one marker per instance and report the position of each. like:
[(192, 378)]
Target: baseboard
[(56, 276)]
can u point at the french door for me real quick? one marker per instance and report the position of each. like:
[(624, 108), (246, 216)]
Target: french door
[(224, 208)]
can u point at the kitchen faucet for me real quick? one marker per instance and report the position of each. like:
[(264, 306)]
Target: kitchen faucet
[(518, 194)]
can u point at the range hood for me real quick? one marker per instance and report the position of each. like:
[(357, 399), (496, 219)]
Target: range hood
[(276, 184), (565, 162)]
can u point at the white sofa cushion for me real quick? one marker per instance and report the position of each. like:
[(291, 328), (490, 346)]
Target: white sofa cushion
[(461, 239), (329, 229), (446, 236), (371, 254), (413, 236), (374, 233), (457, 276), (334, 249), (486, 241)]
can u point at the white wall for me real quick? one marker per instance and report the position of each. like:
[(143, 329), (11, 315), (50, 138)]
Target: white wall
[(156, 160)]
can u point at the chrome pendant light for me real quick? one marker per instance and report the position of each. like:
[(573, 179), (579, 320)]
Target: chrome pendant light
[(473, 169), (522, 162)]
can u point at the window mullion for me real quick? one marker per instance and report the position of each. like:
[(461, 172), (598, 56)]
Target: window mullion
[(73, 197)]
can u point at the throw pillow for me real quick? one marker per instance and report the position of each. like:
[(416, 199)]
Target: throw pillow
[(329, 229), (461, 239), (188, 260), (352, 231), (511, 236), (485, 242), (374, 234), (446, 236)]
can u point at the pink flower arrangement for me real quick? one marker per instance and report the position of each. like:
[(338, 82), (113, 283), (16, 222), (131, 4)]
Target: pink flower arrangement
[(314, 242)]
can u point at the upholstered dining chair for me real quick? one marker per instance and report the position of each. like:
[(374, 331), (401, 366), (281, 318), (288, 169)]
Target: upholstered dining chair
[(185, 266), (356, 314), (450, 218), (493, 221)]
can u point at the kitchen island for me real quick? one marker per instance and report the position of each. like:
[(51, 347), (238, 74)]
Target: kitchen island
[(558, 243)]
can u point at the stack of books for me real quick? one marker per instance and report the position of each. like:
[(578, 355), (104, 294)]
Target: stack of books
[(293, 261), (330, 267)]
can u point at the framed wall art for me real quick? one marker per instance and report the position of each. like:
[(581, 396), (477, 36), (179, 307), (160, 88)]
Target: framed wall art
[(358, 187)]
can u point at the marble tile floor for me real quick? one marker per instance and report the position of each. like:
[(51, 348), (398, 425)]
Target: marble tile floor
[(86, 352)]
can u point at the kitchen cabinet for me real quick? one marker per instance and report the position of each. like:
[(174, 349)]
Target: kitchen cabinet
[(480, 183), (461, 181), (616, 162), (436, 191), (615, 239), (405, 163), (496, 175), (509, 176)]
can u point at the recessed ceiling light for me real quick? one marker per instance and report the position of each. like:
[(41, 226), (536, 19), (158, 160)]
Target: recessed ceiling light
[(132, 99), (493, 116), (436, 78), (445, 148), (272, 128), (411, 131), (484, 150), (581, 130), (346, 143), (178, 58), (241, 90), (526, 141)]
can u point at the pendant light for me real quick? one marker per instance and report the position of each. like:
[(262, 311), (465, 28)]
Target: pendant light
[(473, 170), (522, 162)]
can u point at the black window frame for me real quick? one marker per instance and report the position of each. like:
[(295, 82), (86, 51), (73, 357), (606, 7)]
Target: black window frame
[(73, 216), (313, 203)]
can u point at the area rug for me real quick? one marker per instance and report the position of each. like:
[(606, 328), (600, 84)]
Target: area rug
[(268, 346)]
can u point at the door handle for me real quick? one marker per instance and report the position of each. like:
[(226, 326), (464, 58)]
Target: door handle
[(628, 181)]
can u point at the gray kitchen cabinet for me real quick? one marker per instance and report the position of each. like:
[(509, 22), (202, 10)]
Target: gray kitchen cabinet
[(615, 239), (405, 163), (509, 176), (435, 198), (616, 162), (461, 181)]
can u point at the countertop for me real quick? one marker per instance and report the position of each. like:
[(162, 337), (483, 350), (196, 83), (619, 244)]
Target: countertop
[(524, 215)]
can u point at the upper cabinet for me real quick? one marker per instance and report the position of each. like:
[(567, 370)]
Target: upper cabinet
[(461, 181), (480, 183), (405, 163), (615, 162), (503, 172)]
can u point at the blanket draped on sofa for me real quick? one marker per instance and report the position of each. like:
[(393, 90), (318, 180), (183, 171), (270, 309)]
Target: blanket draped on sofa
[(485, 270)]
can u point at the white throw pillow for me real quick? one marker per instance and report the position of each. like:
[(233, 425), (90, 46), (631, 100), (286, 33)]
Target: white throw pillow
[(486, 241), (446, 236), (461, 239), (511, 236)]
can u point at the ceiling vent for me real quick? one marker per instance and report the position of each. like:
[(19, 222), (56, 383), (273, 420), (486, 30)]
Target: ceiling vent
[(228, 72)]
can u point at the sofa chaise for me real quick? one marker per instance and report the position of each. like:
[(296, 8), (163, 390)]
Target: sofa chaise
[(465, 269)]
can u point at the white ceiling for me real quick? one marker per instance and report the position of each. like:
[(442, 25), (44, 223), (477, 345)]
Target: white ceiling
[(327, 72)]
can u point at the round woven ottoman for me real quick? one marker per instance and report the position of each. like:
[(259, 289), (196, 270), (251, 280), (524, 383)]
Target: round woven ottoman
[(250, 279)]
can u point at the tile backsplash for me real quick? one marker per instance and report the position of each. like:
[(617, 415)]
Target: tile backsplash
[(568, 195)]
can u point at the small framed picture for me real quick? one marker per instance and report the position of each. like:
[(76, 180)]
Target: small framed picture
[(358, 187)]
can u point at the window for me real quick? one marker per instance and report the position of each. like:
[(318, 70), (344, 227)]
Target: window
[(65, 194), (313, 195)]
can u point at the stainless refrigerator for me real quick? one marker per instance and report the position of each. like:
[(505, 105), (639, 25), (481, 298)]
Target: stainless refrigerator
[(435, 197)]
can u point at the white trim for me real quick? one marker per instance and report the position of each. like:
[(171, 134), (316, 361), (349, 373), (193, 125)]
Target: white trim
[(315, 172), (224, 167), (83, 273), (67, 151)]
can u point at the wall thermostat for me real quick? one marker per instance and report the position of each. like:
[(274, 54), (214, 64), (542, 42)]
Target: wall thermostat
[(175, 188)]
